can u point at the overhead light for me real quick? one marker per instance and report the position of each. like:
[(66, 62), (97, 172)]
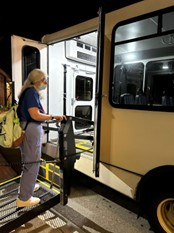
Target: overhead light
[(165, 66), (130, 56)]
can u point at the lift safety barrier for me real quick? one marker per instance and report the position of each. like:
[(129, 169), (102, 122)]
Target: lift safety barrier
[(12, 217)]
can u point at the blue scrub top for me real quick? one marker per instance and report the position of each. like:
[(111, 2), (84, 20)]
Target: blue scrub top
[(29, 100)]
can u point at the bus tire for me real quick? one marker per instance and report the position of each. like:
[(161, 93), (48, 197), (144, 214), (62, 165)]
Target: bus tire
[(160, 213)]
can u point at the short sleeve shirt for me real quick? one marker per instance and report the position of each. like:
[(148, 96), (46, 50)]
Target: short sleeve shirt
[(30, 99)]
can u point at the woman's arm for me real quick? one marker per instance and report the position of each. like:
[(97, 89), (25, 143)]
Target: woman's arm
[(38, 116)]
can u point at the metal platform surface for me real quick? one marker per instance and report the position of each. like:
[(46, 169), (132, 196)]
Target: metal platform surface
[(12, 217)]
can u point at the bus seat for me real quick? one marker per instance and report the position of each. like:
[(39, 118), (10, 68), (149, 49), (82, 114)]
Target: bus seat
[(167, 100), (141, 99), (127, 98)]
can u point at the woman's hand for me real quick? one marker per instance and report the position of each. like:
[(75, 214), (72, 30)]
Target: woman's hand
[(60, 118)]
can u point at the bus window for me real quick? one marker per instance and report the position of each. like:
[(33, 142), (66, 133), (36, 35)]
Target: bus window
[(160, 82), (166, 22), (127, 82), (136, 29), (84, 88), (84, 112), (143, 68), (30, 61)]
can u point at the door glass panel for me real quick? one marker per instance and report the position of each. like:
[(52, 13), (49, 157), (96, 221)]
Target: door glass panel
[(31, 60), (84, 88), (84, 112)]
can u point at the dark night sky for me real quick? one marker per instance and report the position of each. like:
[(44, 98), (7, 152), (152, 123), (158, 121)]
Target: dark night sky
[(37, 18)]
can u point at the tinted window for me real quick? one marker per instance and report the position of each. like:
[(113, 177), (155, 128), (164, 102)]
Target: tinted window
[(31, 60), (143, 64), (84, 88)]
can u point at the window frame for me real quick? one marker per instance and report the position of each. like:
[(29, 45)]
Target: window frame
[(159, 33)]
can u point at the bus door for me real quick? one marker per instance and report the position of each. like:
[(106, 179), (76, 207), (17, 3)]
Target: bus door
[(82, 99), (26, 55)]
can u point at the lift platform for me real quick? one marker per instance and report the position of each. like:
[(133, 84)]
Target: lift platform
[(12, 217)]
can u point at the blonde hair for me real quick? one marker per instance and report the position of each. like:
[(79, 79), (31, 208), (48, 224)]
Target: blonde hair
[(34, 76)]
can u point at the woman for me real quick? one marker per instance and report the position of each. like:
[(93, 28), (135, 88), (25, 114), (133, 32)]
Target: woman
[(31, 110)]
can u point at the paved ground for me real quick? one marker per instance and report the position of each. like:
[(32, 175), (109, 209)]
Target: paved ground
[(87, 212)]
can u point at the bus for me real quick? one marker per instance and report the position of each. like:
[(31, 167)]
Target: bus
[(115, 73)]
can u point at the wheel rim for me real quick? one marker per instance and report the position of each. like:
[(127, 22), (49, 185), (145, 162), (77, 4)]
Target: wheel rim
[(165, 214)]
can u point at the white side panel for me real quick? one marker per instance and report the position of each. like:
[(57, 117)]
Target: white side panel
[(56, 75), (17, 43)]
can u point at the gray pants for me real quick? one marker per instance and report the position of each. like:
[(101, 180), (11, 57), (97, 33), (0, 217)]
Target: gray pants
[(31, 155)]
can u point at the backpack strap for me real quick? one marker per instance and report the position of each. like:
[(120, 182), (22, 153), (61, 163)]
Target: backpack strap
[(19, 105)]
